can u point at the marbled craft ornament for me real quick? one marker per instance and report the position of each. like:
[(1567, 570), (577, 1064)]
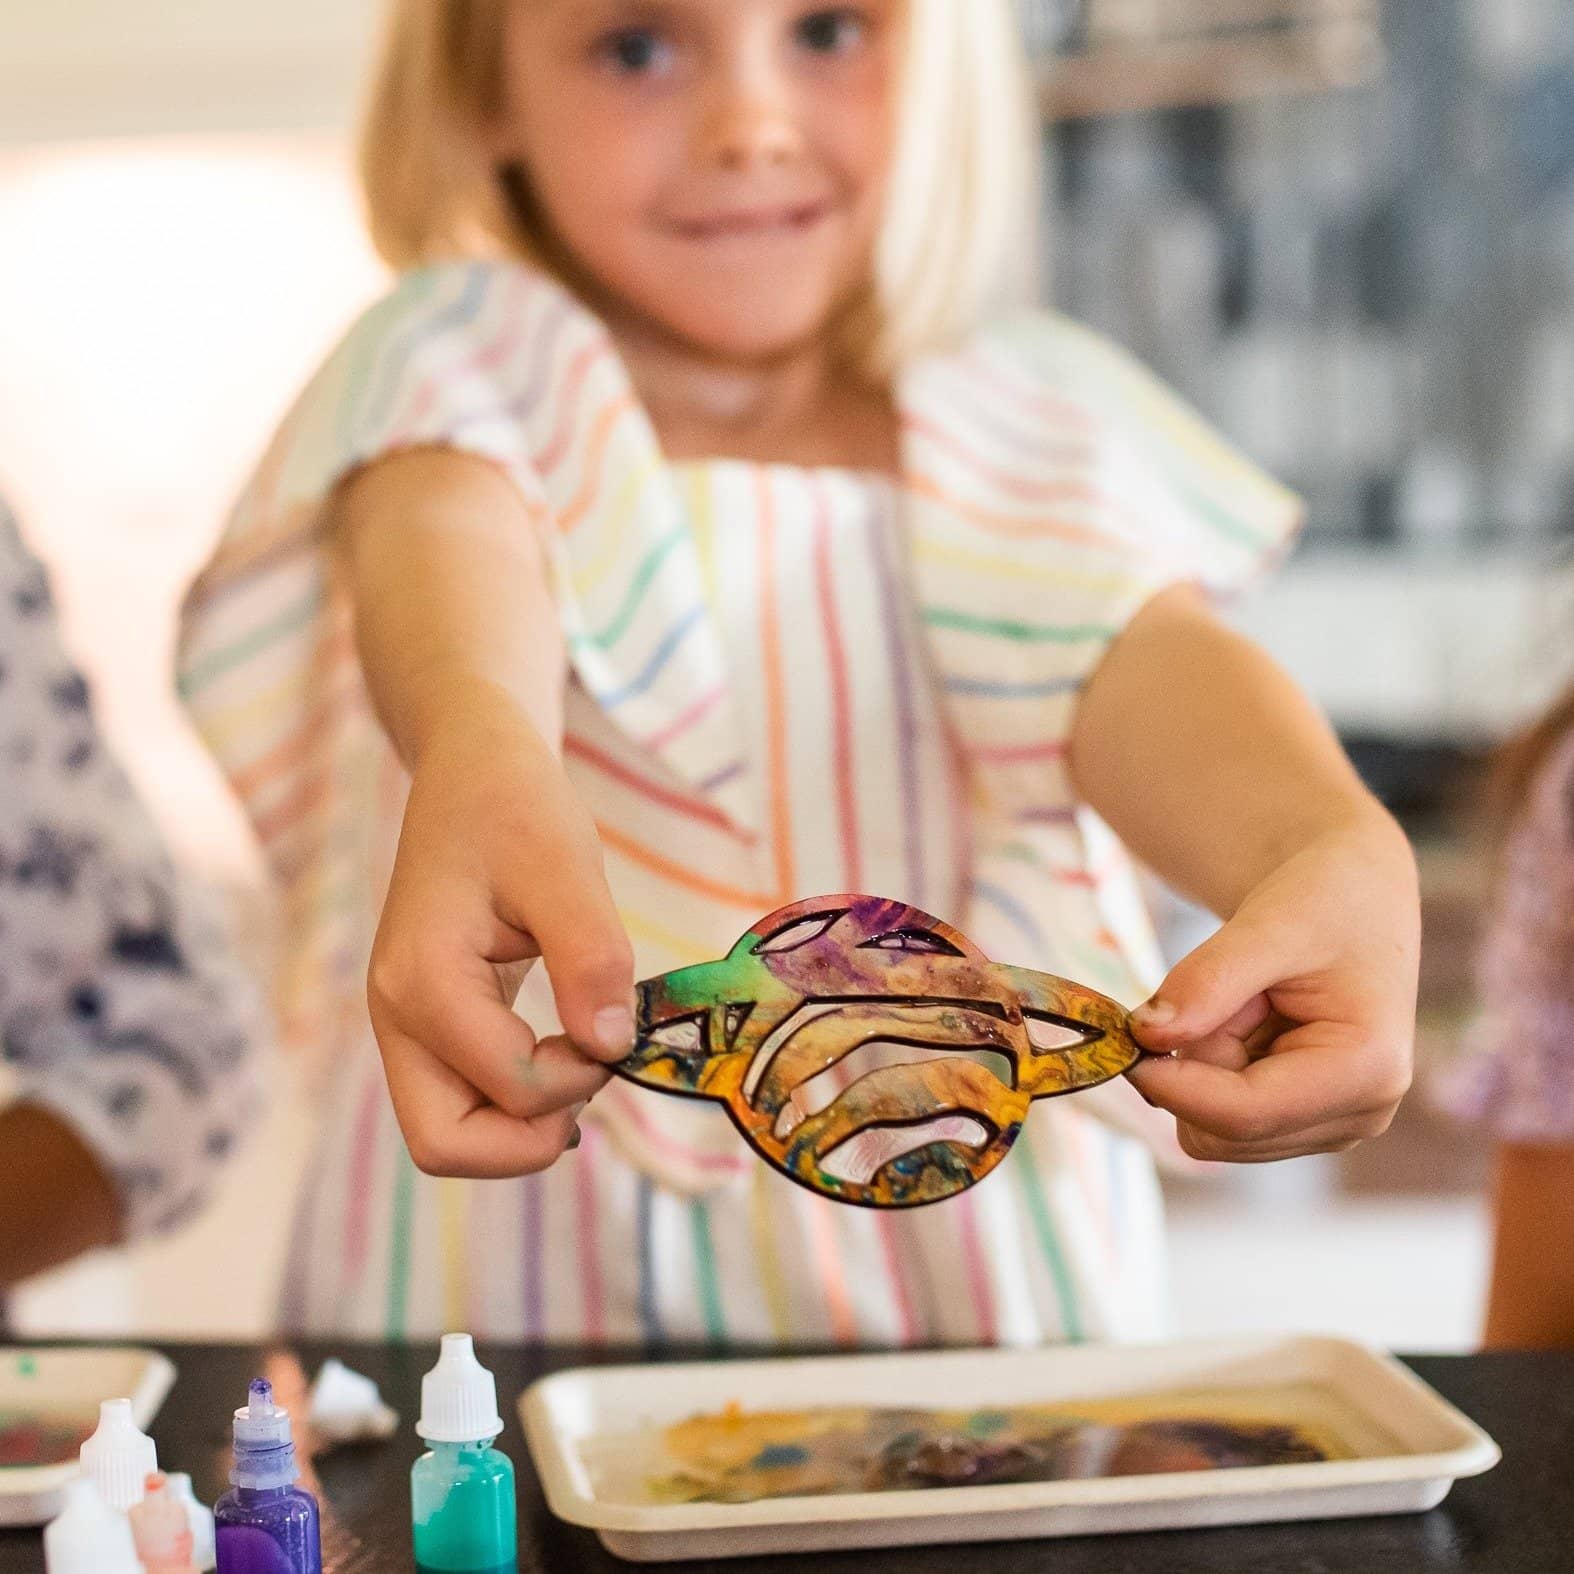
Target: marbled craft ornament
[(871, 1052)]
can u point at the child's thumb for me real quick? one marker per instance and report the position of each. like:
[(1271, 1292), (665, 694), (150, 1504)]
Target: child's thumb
[(1212, 985), (589, 960)]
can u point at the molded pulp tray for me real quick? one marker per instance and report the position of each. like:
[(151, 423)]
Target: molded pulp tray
[(69, 1383), (1419, 1444)]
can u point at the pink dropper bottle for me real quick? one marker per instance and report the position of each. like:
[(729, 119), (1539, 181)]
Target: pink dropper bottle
[(162, 1530)]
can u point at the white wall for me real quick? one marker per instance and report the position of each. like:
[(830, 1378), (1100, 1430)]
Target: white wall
[(85, 68), (161, 301)]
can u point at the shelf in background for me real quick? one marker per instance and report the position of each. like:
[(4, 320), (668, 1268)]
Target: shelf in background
[(1415, 647), (1131, 57)]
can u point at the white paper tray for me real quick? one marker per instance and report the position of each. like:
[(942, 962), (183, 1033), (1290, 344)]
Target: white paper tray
[(1426, 1444), (70, 1383)]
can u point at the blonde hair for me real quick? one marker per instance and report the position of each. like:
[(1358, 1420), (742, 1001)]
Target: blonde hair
[(961, 230)]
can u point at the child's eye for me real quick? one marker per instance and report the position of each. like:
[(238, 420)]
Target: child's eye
[(636, 51), (832, 32)]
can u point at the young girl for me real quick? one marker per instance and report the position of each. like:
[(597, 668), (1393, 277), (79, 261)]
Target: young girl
[(1520, 1077), (686, 534)]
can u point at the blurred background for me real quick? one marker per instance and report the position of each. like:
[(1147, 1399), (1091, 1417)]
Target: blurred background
[(1345, 228)]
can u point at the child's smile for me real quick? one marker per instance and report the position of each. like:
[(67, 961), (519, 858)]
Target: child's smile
[(761, 222)]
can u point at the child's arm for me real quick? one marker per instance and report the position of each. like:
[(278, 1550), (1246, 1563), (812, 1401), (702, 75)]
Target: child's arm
[(1531, 1302), (498, 862), (1294, 1024), (58, 1202)]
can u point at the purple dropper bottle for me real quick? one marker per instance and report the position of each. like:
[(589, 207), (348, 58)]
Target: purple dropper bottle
[(266, 1524)]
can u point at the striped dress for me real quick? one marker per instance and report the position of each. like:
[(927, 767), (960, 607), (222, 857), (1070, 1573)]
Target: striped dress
[(784, 682)]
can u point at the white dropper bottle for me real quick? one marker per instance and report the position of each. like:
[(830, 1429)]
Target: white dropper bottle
[(88, 1536)]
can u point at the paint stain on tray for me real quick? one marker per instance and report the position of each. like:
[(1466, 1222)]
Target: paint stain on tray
[(743, 1456)]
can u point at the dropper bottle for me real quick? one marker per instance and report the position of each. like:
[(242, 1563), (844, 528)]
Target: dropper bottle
[(462, 1492), (265, 1523), (162, 1530), (89, 1537)]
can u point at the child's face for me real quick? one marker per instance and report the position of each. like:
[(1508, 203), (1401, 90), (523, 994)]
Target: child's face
[(717, 166)]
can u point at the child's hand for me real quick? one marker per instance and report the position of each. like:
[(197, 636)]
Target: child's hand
[(498, 864), (1293, 1026)]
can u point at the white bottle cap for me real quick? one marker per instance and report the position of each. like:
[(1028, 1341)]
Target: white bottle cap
[(119, 1456), (203, 1554), (346, 1407), (458, 1397), (89, 1537)]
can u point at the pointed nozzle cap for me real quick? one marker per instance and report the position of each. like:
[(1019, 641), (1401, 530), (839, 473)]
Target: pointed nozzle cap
[(89, 1537), (264, 1449), (119, 1456), (260, 1422), (458, 1397)]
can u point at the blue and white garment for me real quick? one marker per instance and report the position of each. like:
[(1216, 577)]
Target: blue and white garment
[(121, 1010)]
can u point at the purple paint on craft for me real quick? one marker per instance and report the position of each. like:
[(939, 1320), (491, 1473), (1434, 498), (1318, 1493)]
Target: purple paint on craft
[(266, 1524)]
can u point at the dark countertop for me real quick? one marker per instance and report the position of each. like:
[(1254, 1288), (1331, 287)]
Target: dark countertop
[(1517, 1519)]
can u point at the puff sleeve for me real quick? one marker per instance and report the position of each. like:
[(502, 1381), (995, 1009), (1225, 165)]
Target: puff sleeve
[(454, 356)]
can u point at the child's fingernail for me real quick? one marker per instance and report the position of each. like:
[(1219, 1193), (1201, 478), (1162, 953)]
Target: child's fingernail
[(575, 1137), (1155, 1013), (614, 1027)]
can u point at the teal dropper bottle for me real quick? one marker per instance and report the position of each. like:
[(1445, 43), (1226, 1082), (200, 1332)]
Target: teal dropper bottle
[(462, 1491)]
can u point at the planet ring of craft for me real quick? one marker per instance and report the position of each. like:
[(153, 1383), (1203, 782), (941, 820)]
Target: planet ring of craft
[(871, 1052)]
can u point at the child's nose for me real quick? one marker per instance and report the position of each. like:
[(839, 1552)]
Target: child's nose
[(751, 123)]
